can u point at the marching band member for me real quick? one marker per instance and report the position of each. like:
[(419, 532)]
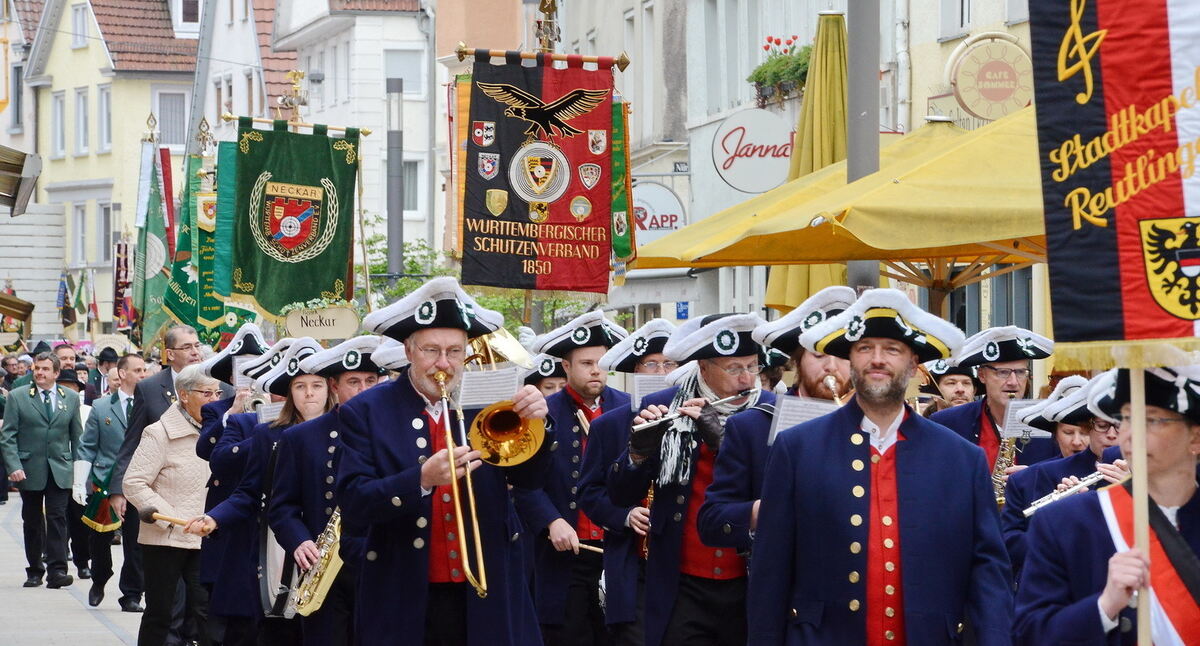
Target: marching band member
[(306, 397), (730, 511), (395, 475), (566, 581), (1077, 585), (302, 501), (1001, 357), (231, 574), (547, 374), (876, 525), (771, 377), (694, 592), (625, 526), (952, 386)]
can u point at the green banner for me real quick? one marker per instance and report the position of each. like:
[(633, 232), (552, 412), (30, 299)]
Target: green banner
[(181, 300), (293, 241), (226, 218), (622, 217), (150, 268)]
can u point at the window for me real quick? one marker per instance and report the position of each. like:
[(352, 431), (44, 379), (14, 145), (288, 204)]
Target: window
[(346, 70), (229, 93), (81, 121), (17, 98), (230, 21), (956, 18), (408, 65), (79, 20), (591, 42), (259, 88), (629, 44), (249, 74), (331, 76), (245, 9), (412, 183), (319, 94), (647, 53), (712, 86), (191, 11), (79, 232), (733, 82), (218, 97), (104, 118), (104, 233), (58, 135), (172, 118)]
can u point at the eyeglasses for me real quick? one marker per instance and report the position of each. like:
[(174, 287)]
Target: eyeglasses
[(432, 353), (655, 365), (210, 394), (187, 348), (1103, 426), (1151, 421), (736, 371), (1005, 373)]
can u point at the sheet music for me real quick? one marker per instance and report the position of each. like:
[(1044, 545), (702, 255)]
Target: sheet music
[(791, 410), (482, 388), (644, 385), (1014, 427), (268, 413), (239, 380)]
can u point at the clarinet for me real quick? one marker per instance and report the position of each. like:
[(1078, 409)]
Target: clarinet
[(1055, 496)]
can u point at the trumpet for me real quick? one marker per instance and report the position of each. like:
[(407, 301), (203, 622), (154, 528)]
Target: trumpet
[(1055, 496), (831, 382), (480, 582), (676, 415)]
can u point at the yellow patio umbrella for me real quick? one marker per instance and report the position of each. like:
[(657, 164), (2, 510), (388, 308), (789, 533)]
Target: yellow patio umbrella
[(943, 198), (820, 141)]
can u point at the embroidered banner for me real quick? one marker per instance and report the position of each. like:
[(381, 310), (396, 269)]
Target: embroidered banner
[(536, 173), (294, 235), (1117, 87)]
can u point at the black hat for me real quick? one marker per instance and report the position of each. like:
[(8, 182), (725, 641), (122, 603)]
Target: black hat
[(585, 331), (248, 342), (41, 347), (439, 303), (775, 358), (651, 338), (107, 355), (885, 313), (784, 333), (544, 367), (278, 380), (69, 377), (999, 344), (1042, 415), (716, 335), (1175, 389), (351, 355)]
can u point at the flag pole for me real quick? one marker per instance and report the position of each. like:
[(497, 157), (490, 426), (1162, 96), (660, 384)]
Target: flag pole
[(1141, 504)]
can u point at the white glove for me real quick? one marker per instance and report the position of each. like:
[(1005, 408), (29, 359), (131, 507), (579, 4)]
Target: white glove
[(83, 469), (526, 336)]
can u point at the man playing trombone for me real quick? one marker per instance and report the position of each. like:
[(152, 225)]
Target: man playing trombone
[(418, 584), (694, 592)]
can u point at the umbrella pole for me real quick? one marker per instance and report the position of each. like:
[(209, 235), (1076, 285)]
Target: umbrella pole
[(862, 94), (938, 303)]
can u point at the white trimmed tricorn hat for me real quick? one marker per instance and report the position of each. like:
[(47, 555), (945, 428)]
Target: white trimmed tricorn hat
[(352, 355), (651, 338), (390, 355), (261, 365), (716, 335), (278, 379), (439, 303), (544, 367), (585, 331), (1175, 389), (248, 341), (1006, 343), (885, 313), (1041, 414), (784, 333)]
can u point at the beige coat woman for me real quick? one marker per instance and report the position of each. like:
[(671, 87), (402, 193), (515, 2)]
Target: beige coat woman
[(165, 474)]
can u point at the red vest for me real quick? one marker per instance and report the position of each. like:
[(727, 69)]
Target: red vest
[(989, 438), (885, 599), (696, 558), (445, 562), (584, 527)]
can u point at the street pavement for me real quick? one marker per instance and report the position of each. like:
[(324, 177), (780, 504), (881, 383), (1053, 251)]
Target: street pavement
[(52, 617)]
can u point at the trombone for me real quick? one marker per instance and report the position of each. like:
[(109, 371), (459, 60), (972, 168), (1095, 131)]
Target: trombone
[(480, 582)]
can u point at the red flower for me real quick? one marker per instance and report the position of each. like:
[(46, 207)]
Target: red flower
[(778, 41), (789, 41), (766, 48), (794, 37), (768, 39)]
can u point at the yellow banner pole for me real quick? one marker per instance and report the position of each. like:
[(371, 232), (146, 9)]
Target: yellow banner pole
[(1141, 503)]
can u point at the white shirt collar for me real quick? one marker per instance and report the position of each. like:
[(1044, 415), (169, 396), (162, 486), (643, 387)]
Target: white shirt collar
[(883, 439), (434, 408)]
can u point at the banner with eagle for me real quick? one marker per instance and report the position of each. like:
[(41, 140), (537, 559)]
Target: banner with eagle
[(1117, 93), (535, 163), (294, 211)]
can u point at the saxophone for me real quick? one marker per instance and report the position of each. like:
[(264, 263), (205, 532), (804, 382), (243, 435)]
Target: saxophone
[(310, 588), (1004, 459), (646, 538)]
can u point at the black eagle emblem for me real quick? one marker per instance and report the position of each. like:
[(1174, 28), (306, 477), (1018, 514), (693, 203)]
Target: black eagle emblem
[(545, 118), (1177, 264)]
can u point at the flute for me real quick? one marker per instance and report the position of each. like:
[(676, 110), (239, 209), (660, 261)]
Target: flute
[(673, 416), (1059, 495)]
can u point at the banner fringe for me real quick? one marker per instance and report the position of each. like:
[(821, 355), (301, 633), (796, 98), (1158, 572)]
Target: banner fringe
[(1135, 354)]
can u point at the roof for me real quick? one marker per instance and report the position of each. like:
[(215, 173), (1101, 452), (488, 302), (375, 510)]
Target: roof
[(141, 38), (374, 5), (29, 13), (274, 64)]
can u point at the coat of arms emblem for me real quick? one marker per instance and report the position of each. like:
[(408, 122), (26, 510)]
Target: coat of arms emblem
[(483, 133), (496, 201), (589, 174), (539, 172), (1171, 251), (292, 218), (489, 165), (597, 141)]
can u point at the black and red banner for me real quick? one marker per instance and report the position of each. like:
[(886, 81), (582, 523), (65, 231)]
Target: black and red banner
[(1117, 90), (535, 168)]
